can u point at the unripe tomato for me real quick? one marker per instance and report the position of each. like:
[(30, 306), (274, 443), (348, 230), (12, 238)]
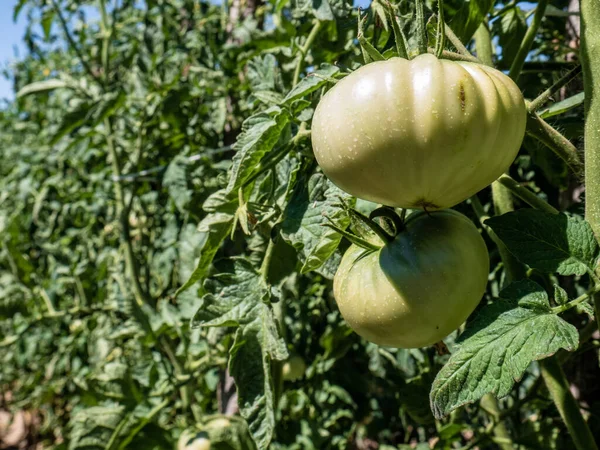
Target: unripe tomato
[(218, 423), (188, 441), (422, 134), (293, 369), (418, 288)]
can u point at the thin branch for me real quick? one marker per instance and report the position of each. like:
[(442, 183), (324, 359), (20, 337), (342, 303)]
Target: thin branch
[(573, 303), (560, 145), (558, 387), (440, 34), (446, 54), (458, 45), (541, 99), (517, 65), (526, 195), (421, 27), (72, 42), (141, 296), (304, 50)]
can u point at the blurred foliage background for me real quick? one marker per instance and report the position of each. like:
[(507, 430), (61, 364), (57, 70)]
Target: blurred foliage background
[(120, 140)]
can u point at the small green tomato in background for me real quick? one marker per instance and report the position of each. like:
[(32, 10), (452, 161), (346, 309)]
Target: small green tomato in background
[(189, 440), (418, 288), (293, 369), (421, 134), (220, 422)]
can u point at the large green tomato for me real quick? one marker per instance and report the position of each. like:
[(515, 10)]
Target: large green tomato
[(422, 134), (418, 288)]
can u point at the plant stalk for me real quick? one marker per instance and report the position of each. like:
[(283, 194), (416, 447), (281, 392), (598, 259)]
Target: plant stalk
[(421, 27), (460, 48), (483, 44), (590, 61), (304, 50), (399, 37), (122, 212), (560, 145), (524, 194), (72, 42), (452, 56), (541, 99), (517, 64), (441, 32), (490, 404), (567, 406)]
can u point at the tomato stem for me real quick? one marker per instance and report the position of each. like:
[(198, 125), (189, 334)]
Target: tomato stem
[(399, 36), (452, 56), (440, 42), (541, 99), (590, 61), (351, 237), (582, 298), (560, 145), (421, 27), (386, 211), (373, 226), (517, 65), (526, 195), (460, 48), (483, 44), (558, 387), (304, 50)]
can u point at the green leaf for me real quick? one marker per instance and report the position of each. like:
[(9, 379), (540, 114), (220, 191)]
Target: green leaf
[(18, 8), (262, 73), (93, 427), (269, 98), (510, 29), (322, 10), (498, 346), (305, 216), (232, 298), (259, 135), (548, 242), (255, 346), (563, 106), (108, 106), (469, 17), (175, 180), (312, 82), (41, 86), (73, 120), (214, 229), (47, 20), (110, 426), (239, 300), (90, 114), (553, 11)]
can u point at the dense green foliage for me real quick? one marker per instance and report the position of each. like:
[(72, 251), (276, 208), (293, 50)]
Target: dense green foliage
[(161, 235)]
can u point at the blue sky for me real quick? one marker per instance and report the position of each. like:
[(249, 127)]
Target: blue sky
[(11, 37)]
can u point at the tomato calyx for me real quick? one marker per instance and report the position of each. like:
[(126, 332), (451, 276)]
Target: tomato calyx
[(365, 227), (389, 213)]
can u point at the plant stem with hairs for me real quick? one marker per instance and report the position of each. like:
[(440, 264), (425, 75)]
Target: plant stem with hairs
[(304, 50)]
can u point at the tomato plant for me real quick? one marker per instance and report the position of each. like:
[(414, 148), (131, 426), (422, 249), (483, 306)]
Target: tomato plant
[(172, 222), (421, 133), (381, 293)]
